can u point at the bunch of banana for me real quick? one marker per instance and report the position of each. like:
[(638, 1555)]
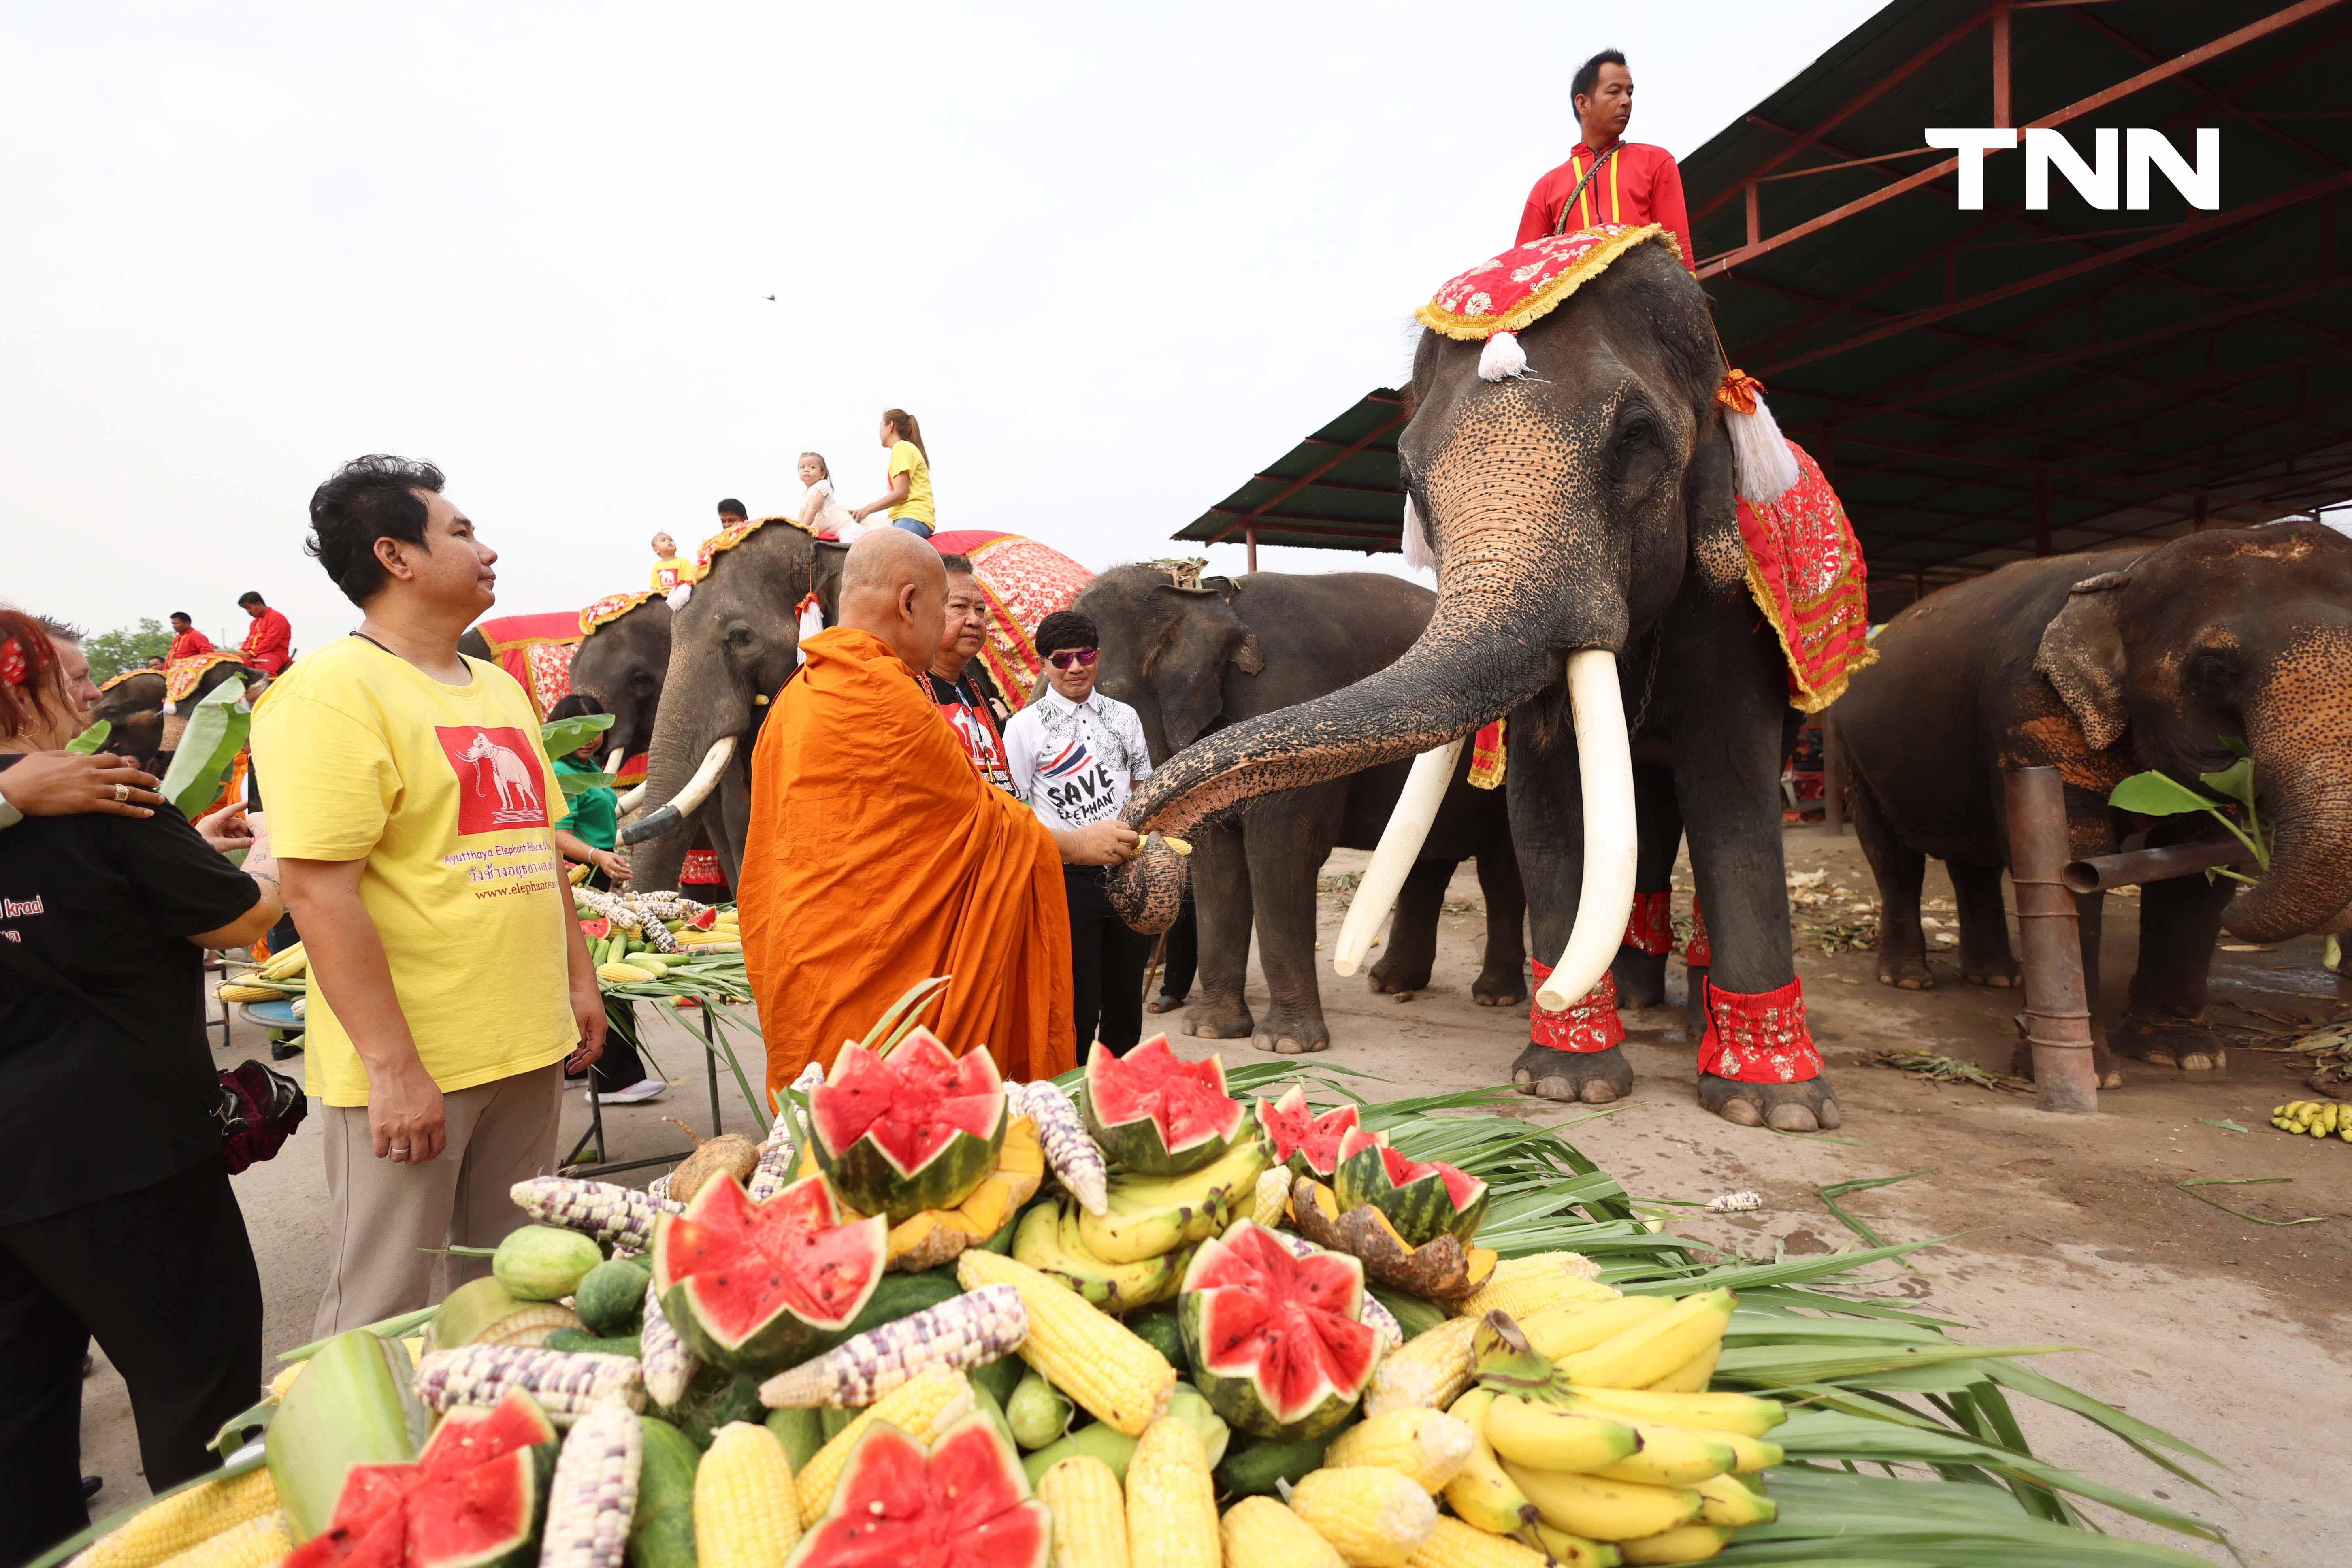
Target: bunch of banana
[(286, 963), (1597, 1439), (1134, 1252), (2317, 1117)]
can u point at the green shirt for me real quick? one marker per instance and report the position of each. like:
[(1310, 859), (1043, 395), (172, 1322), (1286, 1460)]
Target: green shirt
[(595, 814)]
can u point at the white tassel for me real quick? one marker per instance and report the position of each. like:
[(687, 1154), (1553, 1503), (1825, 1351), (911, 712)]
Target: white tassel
[(1417, 553), (1762, 468), (1502, 357), (812, 623)]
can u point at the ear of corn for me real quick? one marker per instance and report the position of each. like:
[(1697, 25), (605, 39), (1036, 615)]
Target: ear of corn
[(1271, 1202), (746, 1513), (1454, 1544), (1374, 1517), (593, 1496), (1171, 1503), (975, 1327), (1259, 1533), (1519, 1286), (1427, 1446), (1089, 1513), (922, 1408), (1068, 1149), (666, 1362), (567, 1383), (1089, 1355), (1428, 1372), (185, 1519), (622, 1216), (257, 1543)]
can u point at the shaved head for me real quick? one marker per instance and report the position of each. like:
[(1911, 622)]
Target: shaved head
[(893, 585)]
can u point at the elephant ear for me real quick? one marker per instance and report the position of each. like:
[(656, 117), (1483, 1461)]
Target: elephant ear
[(1186, 667), (2082, 657), (1716, 553)]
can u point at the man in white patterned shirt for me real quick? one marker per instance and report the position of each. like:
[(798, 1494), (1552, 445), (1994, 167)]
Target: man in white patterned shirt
[(1075, 757)]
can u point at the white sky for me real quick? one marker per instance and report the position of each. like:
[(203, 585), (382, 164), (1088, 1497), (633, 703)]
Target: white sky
[(1113, 258)]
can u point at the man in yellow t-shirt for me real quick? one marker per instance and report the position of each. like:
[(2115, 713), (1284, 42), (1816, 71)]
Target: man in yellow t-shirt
[(910, 495), (409, 803)]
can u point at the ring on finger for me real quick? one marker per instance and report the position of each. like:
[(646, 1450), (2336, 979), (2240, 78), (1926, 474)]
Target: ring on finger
[(121, 792)]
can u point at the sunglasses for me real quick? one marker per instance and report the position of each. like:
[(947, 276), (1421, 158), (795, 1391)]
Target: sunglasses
[(1079, 657)]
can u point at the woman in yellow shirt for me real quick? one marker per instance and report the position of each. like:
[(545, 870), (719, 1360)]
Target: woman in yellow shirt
[(910, 500)]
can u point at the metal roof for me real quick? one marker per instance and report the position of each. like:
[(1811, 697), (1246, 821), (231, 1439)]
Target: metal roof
[(1984, 386)]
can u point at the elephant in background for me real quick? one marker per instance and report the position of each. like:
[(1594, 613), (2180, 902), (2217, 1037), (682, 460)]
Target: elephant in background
[(135, 709), (1189, 659), (622, 664), (732, 648), (2102, 665), (1584, 523)]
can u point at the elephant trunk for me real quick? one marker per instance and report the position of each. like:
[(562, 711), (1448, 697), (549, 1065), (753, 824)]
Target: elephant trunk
[(2309, 881)]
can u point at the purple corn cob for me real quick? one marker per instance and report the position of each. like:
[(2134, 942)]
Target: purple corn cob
[(622, 1216), (975, 1327), (664, 1360), (1068, 1149), (777, 1158), (567, 1383), (593, 1496)]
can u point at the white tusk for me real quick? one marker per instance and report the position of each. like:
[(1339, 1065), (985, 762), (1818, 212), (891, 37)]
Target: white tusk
[(1605, 772), (686, 802), (706, 778), (631, 800), (613, 758), (1393, 859)]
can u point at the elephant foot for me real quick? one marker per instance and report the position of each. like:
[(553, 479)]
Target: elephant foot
[(1999, 974), (1591, 1078), (2103, 1065), (1404, 976), (1640, 978), (2187, 1044), (1287, 1034), (1905, 970), (1219, 1021), (1500, 987), (1808, 1107), (1288, 1044)]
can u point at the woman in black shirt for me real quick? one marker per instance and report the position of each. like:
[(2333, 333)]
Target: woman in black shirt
[(116, 1217)]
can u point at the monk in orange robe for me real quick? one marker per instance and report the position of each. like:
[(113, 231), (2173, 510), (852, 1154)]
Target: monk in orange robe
[(877, 856)]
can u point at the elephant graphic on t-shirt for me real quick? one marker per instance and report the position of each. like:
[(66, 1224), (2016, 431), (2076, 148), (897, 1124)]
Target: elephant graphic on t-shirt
[(503, 768)]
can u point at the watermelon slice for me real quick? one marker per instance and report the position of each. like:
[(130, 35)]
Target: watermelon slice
[(917, 1129), (748, 1285), (475, 1497), (1156, 1114), (596, 930), (965, 1504), (1278, 1342), (1423, 1200), (1308, 1144)]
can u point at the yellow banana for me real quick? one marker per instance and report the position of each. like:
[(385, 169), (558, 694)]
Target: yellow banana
[(1686, 1543), (1574, 1326), (1742, 1412), (1546, 1437), (1727, 1499), (1749, 1454), (1693, 1375), (1648, 1352), (1671, 1456), (1480, 1494), (1574, 1551), (1604, 1510)]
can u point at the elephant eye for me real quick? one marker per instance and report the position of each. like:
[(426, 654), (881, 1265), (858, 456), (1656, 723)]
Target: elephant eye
[(1635, 437), (739, 637), (2212, 677)]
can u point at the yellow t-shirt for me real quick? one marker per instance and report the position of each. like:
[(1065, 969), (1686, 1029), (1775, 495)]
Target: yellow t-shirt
[(907, 458), (672, 574), (443, 791)]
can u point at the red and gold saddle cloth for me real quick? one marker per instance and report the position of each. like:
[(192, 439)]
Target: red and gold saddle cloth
[(612, 607), (537, 651), (180, 677), (1023, 582)]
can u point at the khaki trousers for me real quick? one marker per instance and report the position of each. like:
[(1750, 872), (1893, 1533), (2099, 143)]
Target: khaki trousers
[(382, 1217)]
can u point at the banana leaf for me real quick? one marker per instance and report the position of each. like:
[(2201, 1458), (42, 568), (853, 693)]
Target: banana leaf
[(1838, 1517), (564, 736), (216, 733), (92, 739)]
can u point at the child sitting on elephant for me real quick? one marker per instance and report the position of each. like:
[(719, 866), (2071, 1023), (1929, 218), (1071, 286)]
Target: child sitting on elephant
[(820, 513)]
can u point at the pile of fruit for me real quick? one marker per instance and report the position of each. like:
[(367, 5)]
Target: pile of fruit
[(2317, 1117), (277, 977), (933, 1319)]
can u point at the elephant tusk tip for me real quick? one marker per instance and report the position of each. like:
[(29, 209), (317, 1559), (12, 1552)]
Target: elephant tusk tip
[(1343, 967), (1552, 1001)]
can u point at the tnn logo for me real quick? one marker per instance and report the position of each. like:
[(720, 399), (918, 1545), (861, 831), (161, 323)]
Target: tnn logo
[(2094, 182)]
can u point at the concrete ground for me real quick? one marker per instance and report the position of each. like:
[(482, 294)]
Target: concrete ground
[(2065, 1232)]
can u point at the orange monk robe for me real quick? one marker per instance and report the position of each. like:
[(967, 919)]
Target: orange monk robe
[(878, 856)]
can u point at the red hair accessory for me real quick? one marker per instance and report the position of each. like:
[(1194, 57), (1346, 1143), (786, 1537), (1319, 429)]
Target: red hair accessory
[(14, 666)]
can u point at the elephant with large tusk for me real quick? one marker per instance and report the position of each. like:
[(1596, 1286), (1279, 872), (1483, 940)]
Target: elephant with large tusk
[(1591, 580), (2102, 664)]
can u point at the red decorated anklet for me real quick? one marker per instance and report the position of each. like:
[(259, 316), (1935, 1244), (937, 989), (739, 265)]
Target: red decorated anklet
[(1698, 953), (1589, 1024), (1759, 1037), (1651, 927)]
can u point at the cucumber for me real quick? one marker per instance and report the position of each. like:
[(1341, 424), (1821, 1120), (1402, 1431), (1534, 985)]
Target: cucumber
[(611, 1298), (582, 1340), (832, 1421), (661, 1534), (1257, 1469), (1038, 1413), (1158, 1328), (1108, 1444), (984, 1403), (801, 1433), (1415, 1315)]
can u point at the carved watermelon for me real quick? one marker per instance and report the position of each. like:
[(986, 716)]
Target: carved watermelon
[(1421, 1200), (475, 1497), (1158, 1115), (748, 1285), (1277, 1341), (596, 930), (965, 1504), (916, 1130), (1308, 1144)]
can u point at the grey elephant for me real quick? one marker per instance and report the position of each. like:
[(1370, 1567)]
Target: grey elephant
[(1188, 659), (2102, 664), (134, 707), (1584, 523), (732, 648), (623, 664)]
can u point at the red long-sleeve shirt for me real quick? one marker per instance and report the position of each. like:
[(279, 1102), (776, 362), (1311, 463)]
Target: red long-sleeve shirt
[(268, 646), (189, 643), (1640, 185)]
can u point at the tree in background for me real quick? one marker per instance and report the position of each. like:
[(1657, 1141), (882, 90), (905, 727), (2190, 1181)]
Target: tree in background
[(111, 653)]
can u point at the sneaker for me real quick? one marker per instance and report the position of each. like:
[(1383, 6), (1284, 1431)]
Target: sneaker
[(636, 1093)]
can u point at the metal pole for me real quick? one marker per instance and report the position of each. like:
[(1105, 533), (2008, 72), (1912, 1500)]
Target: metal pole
[(2057, 1010), (1250, 534), (2101, 872), (1833, 784), (710, 1060)]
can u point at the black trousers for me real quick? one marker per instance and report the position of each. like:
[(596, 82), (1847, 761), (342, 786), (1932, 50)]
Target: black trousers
[(1182, 960), (163, 1277), (1107, 964)]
